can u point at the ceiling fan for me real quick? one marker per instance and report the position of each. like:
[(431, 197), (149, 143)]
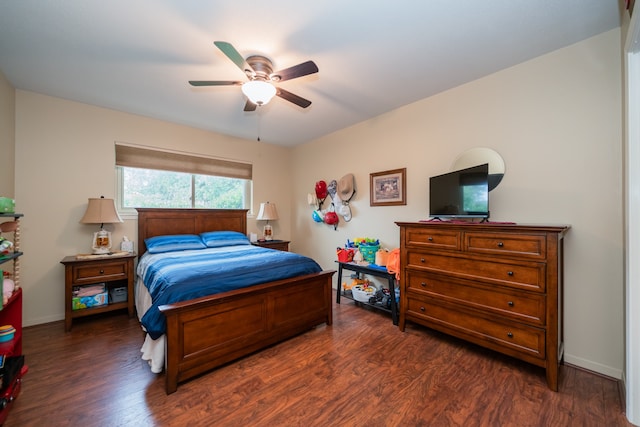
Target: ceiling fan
[(259, 70)]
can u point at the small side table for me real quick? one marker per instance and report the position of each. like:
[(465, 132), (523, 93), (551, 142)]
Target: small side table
[(114, 271), (391, 277), (281, 245)]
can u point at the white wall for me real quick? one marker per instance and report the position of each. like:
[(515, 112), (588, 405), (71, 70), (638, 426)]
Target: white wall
[(557, 122), (65, 154), (631, 375), (7, 135)]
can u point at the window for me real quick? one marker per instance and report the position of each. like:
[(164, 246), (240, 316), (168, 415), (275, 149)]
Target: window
[(159, 179)]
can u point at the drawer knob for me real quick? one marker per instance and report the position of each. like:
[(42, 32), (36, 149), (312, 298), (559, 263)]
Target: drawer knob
[(422, 309), (500, 244), (421, 259), (510, 334), (424, 285), (510, 273), (101, 271), (430, 239), (510, 303)]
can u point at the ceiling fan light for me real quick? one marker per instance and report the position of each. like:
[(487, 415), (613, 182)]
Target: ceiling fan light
[(259, 92)]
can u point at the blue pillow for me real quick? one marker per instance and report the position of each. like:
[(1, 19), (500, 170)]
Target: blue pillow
[(215, 239), (176, 242)]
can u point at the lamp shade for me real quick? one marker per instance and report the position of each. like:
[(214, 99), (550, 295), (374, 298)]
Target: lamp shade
[(267, 211), (259, 92), (101, 211)]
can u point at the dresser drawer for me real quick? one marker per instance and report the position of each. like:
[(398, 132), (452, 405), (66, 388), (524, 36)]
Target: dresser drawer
[(99, 272), (514, 337), (525, 307), (523, 275), (514, 245), (434, 239)]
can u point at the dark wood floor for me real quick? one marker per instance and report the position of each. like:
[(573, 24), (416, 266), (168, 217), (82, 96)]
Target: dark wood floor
[(361, 371)]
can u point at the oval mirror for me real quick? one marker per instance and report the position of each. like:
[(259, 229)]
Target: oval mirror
[(481, 155)]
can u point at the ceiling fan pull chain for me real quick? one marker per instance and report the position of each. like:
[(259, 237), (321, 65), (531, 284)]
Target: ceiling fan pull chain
[(258, 115)]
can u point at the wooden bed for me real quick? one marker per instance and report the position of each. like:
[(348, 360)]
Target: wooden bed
[(210, 331)]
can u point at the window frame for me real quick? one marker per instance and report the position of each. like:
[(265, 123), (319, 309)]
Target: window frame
[(218, 167)]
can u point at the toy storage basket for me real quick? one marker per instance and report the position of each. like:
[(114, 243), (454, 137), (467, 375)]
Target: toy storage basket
[(359, 294), (369, 252)]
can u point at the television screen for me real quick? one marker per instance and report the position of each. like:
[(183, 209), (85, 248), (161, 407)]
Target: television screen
[(460, 194)]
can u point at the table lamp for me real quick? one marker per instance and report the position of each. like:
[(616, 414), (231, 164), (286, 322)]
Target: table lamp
[(267, 213), (101, 211)]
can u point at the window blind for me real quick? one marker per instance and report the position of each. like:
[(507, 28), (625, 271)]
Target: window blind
[(148, 158)]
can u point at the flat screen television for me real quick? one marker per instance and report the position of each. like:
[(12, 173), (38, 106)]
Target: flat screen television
[(460, 194)]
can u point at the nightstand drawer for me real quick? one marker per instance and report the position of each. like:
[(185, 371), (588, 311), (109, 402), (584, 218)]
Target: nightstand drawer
[(104, 271)]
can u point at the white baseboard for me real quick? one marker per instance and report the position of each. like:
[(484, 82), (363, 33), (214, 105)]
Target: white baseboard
[(593, 366), (41, 320)]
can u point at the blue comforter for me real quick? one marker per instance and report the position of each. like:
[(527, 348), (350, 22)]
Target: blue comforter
[(183, 275)]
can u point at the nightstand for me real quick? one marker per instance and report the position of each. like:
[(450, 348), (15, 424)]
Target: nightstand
[(114, 271), (281, 245)]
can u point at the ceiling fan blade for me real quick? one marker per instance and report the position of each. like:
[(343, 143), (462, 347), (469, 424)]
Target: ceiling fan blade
[(296, 71), (213, 83), (299, 101), (233, 55), (250, 106)]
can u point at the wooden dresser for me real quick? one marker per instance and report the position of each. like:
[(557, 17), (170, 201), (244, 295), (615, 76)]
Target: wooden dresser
[(496, 285)]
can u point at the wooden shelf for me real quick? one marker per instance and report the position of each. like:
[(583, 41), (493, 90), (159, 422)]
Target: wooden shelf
[(11, 314)]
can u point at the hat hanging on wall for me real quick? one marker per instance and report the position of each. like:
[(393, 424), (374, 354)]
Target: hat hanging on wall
[(332, 189), (321, 190), (317, 215), (345, 211), (347, 187), (346, 190), (331, 218), (312, 200)]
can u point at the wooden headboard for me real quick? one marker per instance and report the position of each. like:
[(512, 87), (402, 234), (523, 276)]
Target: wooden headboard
[(158, 222)]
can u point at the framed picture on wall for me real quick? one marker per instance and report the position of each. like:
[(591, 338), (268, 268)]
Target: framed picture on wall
[(388, 188)]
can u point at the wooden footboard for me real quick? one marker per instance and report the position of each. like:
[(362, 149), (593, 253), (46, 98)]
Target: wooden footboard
[(207, 332)]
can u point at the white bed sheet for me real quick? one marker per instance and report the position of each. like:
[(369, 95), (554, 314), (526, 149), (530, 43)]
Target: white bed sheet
[(152, 350)]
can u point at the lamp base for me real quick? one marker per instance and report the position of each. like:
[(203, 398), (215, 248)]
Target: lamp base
[(101, 244), (267, 232)]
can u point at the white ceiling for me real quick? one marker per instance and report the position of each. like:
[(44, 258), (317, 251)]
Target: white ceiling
[(374, 56)]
